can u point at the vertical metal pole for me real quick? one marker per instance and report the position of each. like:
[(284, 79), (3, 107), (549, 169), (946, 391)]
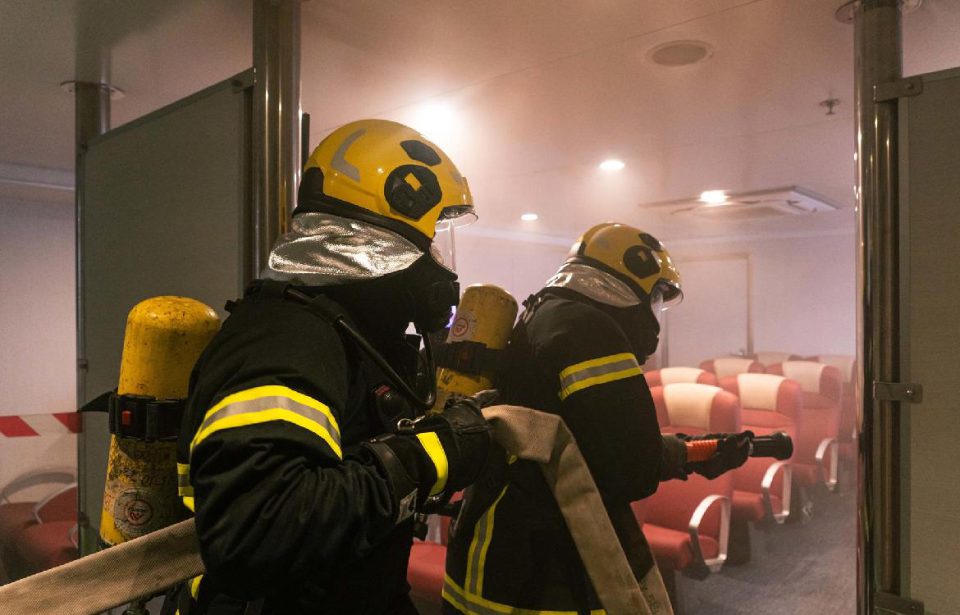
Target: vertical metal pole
[(878, 60), (276, 124), (92, 110)]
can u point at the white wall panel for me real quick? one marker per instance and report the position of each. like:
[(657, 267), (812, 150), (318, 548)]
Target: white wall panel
[(37, 317)]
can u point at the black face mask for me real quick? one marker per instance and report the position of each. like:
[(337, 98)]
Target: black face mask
[(424, 293), (434, 292), (641, 328)]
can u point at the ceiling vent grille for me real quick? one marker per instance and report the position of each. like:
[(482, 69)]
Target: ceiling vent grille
[(757, 205)]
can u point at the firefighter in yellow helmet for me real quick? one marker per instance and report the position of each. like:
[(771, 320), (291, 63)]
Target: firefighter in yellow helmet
[(301, 453), (576, 351)]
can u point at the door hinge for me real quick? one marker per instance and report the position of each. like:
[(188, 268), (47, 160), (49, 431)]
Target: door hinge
[(892, 604), (897, 391), (901, 88)]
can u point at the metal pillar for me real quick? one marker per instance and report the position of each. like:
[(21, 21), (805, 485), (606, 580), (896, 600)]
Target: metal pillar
[(276, 125), (92, 109), (878, 61)]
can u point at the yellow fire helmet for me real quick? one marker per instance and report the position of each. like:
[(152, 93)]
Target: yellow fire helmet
[(386, 174), (632, 256)]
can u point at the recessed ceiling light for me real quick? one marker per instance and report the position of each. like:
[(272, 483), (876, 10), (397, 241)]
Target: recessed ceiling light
[(612, 164), (675, 54), (713, 197), (529, 217)]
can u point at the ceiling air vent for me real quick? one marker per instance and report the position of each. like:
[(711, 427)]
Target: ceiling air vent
[(757, 205)]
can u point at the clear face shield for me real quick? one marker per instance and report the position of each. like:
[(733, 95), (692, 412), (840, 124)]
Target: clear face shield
[(664, 296), (443, 249)]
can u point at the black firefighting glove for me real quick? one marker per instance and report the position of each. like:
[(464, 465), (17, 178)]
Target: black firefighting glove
[(732, 452), (673, 458), (436, 455)]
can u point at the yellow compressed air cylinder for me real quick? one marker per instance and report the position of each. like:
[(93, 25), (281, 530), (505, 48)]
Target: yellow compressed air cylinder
[(163, 339), (485, 315)]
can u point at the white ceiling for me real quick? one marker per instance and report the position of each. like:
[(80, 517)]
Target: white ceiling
[(527, 97)]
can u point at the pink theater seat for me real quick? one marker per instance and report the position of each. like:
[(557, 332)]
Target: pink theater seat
[(427, 563), (687, 522), (46, 545), (816, 455), (762, 486), (768, 358), (15, 517), (731, 366), (848, 401), (675, 375), (768, 404)]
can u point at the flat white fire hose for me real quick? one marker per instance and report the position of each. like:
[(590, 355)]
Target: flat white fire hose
[(148, 565)]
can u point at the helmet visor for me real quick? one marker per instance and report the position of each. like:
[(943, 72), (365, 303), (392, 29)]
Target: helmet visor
[(443, 249), (669, 293)]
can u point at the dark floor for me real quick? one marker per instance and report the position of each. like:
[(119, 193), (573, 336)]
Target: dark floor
[(795, 569)]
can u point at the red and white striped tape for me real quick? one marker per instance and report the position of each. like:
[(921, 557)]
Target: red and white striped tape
[(28, 425)]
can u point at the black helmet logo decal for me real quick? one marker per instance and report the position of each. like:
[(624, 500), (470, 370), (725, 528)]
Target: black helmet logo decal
[(641, 261), (412, 190), (421, 152), (651, 241)]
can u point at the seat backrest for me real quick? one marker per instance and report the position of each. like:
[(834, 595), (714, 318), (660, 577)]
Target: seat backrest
[(62, 505), (731, 366), (693, 409), (815, 380), (845, 363), (768, 358), (674, 375), (768, 402)]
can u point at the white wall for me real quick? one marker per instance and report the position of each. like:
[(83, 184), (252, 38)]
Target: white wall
[(37, 313), (803, 290), (37, 336), (520, 266)]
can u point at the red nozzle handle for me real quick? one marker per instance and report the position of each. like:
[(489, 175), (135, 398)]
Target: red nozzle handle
[(777, 445)]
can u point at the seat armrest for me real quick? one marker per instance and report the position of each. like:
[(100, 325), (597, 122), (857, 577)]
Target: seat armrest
[(767, 483), (39, 505), (37, 477), (716, 563), (829, 476)]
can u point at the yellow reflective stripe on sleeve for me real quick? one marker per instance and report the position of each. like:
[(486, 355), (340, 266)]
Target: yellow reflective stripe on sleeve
[(189, 503), (472, 604), (271, 403), (431, 444), (601, 370), (195, 587)]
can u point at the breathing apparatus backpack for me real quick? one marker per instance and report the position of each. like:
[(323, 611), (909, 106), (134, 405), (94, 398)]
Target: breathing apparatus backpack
[(163, 339), (475, 347)]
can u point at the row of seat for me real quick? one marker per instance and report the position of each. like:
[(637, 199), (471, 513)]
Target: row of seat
[(697, 526), (764, 361)]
